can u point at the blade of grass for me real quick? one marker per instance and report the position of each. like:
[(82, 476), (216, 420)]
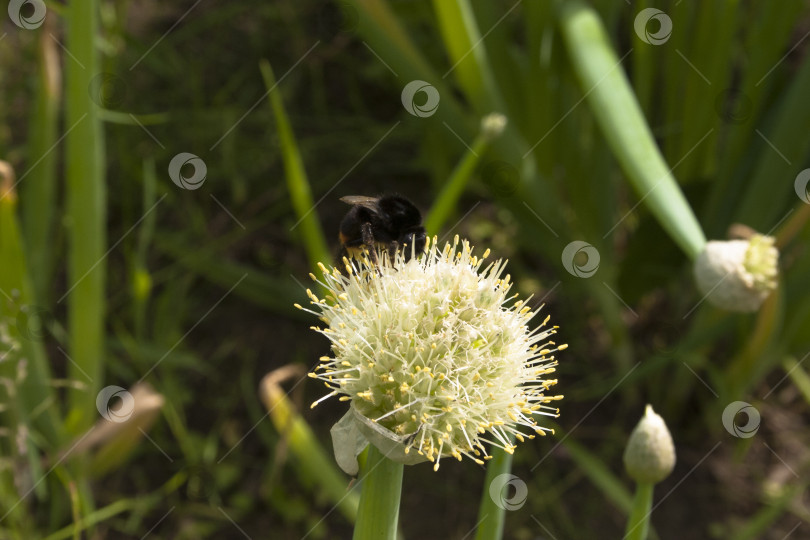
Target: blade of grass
[(601, 476), (765, 41), (541, 77), (391, 42), (757, 353), (32, 391), (297, 182), (644, 67), (468, 56), (38, 192), (257, 287), (35, 388), (674, 74), (618, 114), (709, 53), (787, 147), (314, 463), (86, 215), (142, 503), (509, 64), (798, 375)]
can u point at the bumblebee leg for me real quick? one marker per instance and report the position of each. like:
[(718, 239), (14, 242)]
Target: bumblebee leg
[(368, 240), (393, 248)]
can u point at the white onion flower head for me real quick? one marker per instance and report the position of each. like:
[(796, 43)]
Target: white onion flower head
[(738, 275), (435, 351)]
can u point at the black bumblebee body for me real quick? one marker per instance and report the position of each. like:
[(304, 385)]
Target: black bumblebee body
[(390, 222)]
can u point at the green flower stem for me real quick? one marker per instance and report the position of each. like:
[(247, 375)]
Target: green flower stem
[(379, 499), (638, 524), (619, 116), (453, 188), (86, 216), (491, 517), (38, 200)]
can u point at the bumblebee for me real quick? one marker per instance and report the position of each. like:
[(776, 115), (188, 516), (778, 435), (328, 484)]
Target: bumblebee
[(389, 222)]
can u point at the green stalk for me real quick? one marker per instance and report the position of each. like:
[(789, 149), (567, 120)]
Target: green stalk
[(798, 375), (379, 499), (644, 66), (467, 52), (297, 182), (32, 391), (538, 108), (86, 215), (96, 517), (756, 356), (491, 517), (762, 206), (258, 288), (638, 524), (315, 465), (391, 41), (599, 474), (38, 200), (623, 124), (765, 40), (714, 30), (454, 187), (672, 78)]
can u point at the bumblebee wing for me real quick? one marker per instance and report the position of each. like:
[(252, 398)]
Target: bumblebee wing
[(372, 203)]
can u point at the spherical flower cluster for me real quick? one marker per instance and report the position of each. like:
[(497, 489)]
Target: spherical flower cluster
[(435, 351), (738, 275)]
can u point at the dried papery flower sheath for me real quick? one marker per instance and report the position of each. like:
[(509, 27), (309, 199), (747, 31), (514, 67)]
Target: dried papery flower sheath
[(436, 352)]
